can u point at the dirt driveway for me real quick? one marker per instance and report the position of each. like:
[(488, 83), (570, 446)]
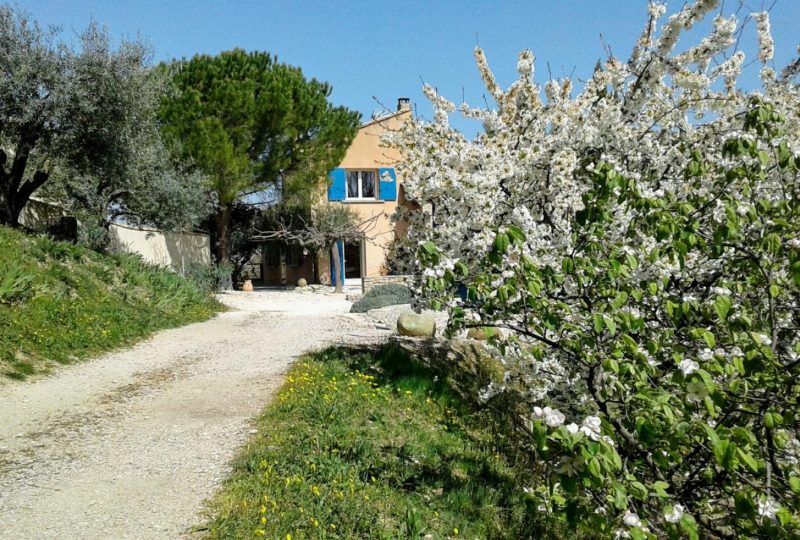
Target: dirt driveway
[(130, 445)]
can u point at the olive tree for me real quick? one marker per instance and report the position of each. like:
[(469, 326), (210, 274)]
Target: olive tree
[(80, 125)]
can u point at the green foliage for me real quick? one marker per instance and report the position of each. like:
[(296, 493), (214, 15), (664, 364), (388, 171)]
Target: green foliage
[(210, 277), (252, 124), (381, 296), (60, 302), (357, 446), (400, 258), (78, 126), (676, 390)]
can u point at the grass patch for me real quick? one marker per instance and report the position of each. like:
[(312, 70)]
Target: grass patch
[(363, 446), (60, 303)]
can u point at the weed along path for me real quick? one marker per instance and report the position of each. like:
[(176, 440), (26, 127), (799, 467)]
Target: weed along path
[(130, 445)]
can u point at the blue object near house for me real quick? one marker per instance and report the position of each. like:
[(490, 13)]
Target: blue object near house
[(462, 292), (388, 184), (340, 247), (337, 190), (387, 189)]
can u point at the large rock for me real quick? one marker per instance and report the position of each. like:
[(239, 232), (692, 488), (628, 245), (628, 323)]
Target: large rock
[(416, 325)]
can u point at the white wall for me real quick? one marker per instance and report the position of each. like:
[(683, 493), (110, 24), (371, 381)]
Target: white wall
[(175, 249)]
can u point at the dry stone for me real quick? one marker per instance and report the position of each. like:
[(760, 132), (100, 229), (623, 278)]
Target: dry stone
[(416, 325)]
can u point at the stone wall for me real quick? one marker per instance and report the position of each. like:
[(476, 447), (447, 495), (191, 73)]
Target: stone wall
[(368, 282)]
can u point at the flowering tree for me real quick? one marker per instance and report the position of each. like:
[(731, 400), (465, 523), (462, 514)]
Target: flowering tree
[(639, 242)]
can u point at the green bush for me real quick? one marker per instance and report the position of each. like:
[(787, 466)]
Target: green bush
[(382, 296), (60, 302), (400, 257), (210, 277)]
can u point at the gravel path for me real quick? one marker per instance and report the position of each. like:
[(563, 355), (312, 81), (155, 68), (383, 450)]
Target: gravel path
[(130, 445)]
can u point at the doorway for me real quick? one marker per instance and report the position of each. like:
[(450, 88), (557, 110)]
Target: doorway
[(352, 260)]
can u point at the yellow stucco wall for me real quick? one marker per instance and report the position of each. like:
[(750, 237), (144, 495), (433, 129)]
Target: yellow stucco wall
[(367, 152)]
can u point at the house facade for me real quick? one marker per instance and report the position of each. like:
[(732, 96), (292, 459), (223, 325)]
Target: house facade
[(367, 181)]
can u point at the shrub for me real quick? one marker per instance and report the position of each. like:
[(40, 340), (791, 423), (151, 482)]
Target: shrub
[(210, 277), (641, 243), (382, 296), (400, 258)]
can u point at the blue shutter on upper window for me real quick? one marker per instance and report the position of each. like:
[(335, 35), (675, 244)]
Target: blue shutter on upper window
[(337, 187), (388, 183)]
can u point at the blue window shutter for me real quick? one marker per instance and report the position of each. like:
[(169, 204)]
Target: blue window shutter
[(340, 246), (336, 189), (388, 184)]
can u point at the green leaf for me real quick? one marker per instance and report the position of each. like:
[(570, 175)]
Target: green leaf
[(429, 248), (501, 242), (515, 234), (748, 460), (620, 299), (638, 490), (637, 534), (610, 324), (794, 484), (722, 305), (773, 420), (660, 488), (689, 525), (709, 338), (598, 323), (594, 467), (620, 496)]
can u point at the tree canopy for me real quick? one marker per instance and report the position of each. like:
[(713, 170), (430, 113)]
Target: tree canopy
[(637, 241), (252, 124), (82, 124)]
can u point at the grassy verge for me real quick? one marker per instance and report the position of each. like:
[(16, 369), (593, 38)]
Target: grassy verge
[(363, 446), (60, 303)]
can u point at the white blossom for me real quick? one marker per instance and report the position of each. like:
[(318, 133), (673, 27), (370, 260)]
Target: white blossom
[(631, 519), (767, 507), (675, 514), (766, 46), (688, 367)]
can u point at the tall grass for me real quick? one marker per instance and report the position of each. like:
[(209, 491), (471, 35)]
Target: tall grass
[(358, 446), (60, 303)]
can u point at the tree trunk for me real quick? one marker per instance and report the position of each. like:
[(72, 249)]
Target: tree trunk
[(337, 268), (16, 193), (222, 244)]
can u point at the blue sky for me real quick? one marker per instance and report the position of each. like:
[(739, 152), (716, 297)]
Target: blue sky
[(386, 49)]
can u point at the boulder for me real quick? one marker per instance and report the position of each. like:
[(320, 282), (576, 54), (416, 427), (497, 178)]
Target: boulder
[(416, 325)]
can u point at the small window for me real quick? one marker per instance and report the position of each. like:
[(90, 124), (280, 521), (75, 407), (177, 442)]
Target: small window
[(362, 185)]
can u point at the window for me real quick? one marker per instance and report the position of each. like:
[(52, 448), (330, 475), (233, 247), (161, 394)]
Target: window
[(362, 185)]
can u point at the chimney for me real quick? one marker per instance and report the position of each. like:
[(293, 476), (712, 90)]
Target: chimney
[(403, 104)]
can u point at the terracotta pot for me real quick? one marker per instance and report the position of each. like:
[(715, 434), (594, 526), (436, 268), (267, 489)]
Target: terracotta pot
[(247, 286)]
